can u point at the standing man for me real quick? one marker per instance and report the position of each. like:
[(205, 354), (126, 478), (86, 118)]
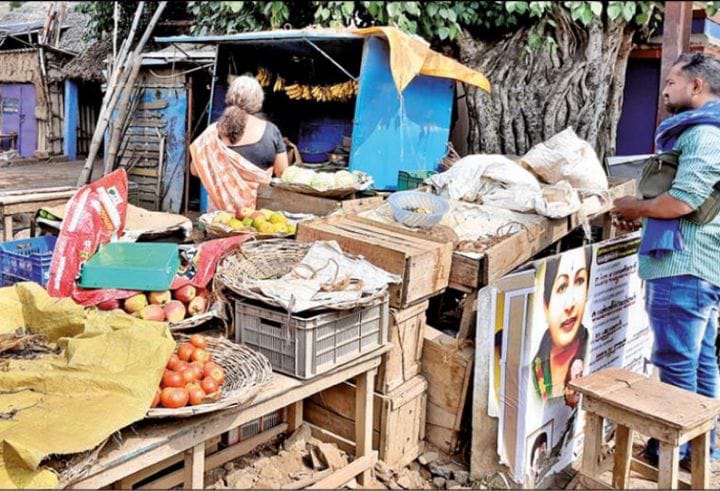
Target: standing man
[(679, 259)]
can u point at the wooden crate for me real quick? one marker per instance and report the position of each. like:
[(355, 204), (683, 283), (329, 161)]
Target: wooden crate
[(467, 273), (447, 365), (421, 261), (274, 198), (407, 329), (398, 419)]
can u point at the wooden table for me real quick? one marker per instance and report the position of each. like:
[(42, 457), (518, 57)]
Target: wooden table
[(469, 274), (29, 201), (152, 443)]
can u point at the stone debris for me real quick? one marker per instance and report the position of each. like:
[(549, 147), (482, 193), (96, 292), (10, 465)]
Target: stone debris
[(427, 458), (462, 477), (298, 440), (439, 482), (331, 455)]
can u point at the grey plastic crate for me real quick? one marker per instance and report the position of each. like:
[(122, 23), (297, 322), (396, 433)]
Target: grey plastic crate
[(307, 345)]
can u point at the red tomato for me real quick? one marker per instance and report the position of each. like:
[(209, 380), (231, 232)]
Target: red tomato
[(197, 396), (172, 379), (199, 341), (215, 372), (209, 385), (173, 397), (173, 359), (185, 351), (201, 355), (181, 365), (193, 385), (188, 375), (156, 399), (198, 369)]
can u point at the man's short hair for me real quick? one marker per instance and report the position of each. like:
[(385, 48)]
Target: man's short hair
[(704, 66)]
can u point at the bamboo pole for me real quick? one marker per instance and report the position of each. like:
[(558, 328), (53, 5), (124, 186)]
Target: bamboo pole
[(110, 94), (127, 87)]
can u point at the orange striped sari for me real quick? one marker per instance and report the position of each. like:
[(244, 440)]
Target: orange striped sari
[(229, 178)]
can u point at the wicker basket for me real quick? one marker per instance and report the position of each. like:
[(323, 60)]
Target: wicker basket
[(268, 260), (245, 373), (216, 230)]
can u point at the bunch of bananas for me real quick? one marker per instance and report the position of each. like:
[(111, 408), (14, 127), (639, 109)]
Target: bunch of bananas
[(264, 77), (344, 91)]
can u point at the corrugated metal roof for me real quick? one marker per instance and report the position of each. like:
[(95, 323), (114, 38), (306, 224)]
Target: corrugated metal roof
[(283, 35)]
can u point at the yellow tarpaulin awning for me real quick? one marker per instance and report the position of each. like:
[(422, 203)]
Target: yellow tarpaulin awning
[(411, 56), (104, 380)]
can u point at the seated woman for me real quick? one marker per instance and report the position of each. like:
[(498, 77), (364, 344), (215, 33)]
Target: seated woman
[(261, 143), (229, 178)]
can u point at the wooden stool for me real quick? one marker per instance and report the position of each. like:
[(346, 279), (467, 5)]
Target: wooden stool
[(635, 403)]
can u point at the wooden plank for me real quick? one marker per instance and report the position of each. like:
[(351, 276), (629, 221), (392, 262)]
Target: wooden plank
[(308, 481), (677, 26), (402, 363), (357, 467), (363, 422), (469, 314), (158, 443), (274, 198), (347, 446), (194, 471), (623, 456), (139, 171), (130, 481), (8, 227), (219, 458), (651, 473), (295, 416), (35, 197), (32, 207), (447, 365), (700, 461), (592, 444), (668, 466), (583, 481)]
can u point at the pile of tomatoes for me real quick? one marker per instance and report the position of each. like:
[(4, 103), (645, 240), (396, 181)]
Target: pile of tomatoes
[(191, 377)]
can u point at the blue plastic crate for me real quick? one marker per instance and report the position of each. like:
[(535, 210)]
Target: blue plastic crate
[(26, 260)]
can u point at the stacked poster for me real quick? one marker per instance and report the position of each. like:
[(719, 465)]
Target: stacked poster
[(563, 317)]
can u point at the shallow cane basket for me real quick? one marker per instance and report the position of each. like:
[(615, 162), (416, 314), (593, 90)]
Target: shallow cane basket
[(272, 259), (246, 371)]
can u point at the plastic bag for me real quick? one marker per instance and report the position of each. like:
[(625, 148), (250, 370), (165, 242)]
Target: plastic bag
[(95, 214), (557, 201), (488, 179), (566, 157)]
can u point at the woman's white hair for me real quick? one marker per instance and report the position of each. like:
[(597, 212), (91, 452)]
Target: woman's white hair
[(246, 93)]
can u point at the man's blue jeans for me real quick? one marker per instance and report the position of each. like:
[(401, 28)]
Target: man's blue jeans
[(683, 312)]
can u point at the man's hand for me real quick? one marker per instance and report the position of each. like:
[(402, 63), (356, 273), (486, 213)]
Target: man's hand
[(628, 208), (626, 225)]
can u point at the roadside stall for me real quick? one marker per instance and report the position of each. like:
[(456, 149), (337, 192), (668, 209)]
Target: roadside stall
[(306, 315)]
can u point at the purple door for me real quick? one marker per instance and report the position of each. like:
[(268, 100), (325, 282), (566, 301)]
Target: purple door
[(17, 105)]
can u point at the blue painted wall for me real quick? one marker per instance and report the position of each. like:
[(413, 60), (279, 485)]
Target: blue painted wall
[(636, 128), (393, 133), (70, 121)]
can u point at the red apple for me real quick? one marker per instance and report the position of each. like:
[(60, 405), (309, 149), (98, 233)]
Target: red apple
[(152, 313), (246, 211), (198, 305), (111, 304), (174, 311), (185, 294), (159, 298)]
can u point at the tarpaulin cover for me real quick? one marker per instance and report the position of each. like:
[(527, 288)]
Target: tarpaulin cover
[(104, 380), (411, 56)]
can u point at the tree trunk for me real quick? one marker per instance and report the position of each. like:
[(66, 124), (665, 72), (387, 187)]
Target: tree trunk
[(538, 93)]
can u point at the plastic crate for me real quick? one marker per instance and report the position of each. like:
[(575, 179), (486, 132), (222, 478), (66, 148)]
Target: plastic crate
[(412, 179), (26, 260), (308, 344)]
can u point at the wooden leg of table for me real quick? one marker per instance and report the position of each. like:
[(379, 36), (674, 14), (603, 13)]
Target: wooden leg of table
[(700, 461), (469, 313), (593, 444), (364, 419), (8, 227), (668, 466), (195, 467), (294, 416), (623, 456)]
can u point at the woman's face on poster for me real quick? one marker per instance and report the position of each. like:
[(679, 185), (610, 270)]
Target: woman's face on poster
[(566, 307)]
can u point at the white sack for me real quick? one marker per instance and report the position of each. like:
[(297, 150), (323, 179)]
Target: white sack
[(565, 157)]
